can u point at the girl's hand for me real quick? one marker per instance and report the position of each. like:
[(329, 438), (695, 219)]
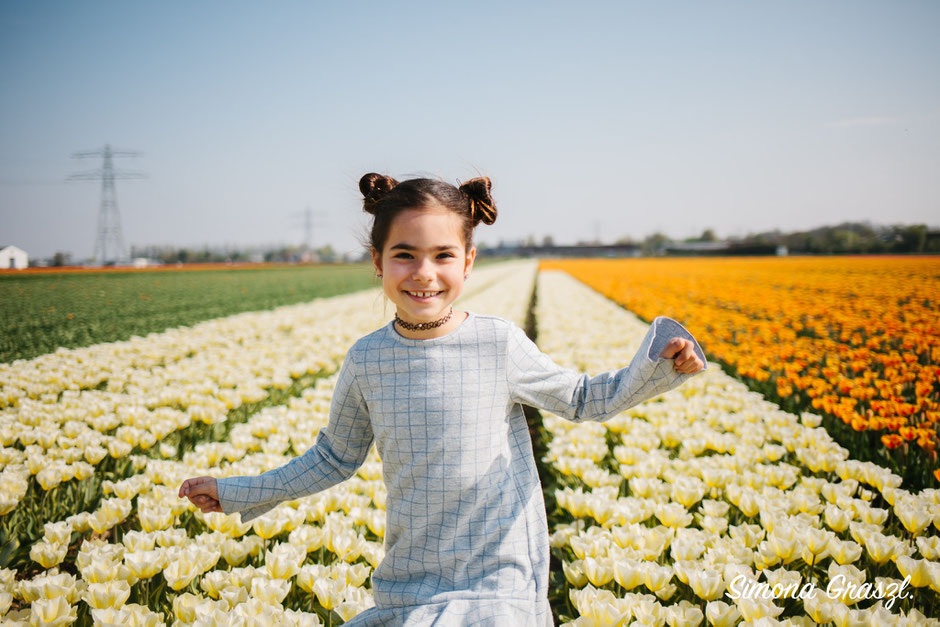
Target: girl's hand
[(203, 493), (687, 362)]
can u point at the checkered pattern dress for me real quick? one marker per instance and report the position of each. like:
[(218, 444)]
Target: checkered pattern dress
[(466, 535)]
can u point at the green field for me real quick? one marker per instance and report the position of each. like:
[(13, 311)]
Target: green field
[(41, 312)]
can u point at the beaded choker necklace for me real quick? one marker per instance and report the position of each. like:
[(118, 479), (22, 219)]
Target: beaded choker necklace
[(421, 326)]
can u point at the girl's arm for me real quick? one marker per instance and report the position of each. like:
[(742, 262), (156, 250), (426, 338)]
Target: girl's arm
[(535, 380), (340, 449)]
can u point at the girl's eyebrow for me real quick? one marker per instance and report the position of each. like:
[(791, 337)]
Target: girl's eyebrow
[(404, 246)]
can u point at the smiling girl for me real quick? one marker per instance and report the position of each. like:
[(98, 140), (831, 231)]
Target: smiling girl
[(440, 393)]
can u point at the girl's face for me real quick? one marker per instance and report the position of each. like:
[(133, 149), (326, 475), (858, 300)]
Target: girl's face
[(423, 266)]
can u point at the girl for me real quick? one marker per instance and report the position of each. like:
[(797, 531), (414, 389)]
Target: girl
[(440, 392)]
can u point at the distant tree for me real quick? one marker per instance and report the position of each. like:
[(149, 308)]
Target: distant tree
[(654, 243), (912, 238), (326, 254), (61, 259)]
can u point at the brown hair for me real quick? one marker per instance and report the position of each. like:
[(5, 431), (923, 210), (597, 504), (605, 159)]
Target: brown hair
[(385, 198)]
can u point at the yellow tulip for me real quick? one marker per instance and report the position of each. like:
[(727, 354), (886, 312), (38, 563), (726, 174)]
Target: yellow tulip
[(48, 554), (837, 518), (268, 526), (233, 595), (673, 515), (180, 572), (216, 581), (348, 546), (721, 614), (54, 611), (347, 610), (111, 594), (684, 614), (819, 606), (171, 537), (656, 577), (749, 504), (145, 564), (649, 612), (929, 547), (309, 574), (155, 518), (284, 562), (882, 548), (753, 609), (688, 550), (599, 571), (844, 552), (914, 518), (49, 478), (688, 491), (270, 591), (844, 616), (329, 592), (135, 541), (707, 584), (100, 569), (602, 610), (94, 454), (628, 573), (184, 606), (917, 570), (352, 574), (234, 552), (58, 532), (217, 521)]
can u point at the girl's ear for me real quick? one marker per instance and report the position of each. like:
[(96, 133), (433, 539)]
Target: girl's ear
[(377, 261), (468, 264)]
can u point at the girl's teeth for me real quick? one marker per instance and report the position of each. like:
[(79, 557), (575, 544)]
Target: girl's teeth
[(423, 294)]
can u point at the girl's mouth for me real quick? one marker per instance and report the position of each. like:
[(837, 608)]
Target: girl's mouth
[(423, 297)]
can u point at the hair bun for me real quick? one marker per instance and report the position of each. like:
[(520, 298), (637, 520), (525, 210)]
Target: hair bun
[(482, 207), (374, 187)]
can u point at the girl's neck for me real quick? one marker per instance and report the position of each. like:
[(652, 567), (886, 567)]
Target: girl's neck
[(451, 325)]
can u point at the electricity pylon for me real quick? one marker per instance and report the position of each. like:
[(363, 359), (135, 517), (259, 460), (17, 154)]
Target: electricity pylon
[(308, 216), (109, 242)]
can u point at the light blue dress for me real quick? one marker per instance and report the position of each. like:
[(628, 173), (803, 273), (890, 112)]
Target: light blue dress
[(466, 535)]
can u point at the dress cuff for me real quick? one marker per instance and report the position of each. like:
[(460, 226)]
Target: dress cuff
[(228, 488), (655, 372)]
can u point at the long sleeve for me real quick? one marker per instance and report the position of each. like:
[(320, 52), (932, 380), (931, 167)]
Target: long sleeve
[(535, 380), (340, 449)]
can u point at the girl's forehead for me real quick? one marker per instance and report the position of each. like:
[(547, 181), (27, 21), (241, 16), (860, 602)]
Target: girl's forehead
[(438, 222)]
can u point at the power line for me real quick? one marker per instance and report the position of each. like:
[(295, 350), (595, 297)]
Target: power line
[(109, 241)]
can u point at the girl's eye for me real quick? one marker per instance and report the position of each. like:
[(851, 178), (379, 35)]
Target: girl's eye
[(402, 256), (445, 255)]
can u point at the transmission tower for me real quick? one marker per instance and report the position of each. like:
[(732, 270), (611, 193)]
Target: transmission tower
[(109, 242), (308, 222)]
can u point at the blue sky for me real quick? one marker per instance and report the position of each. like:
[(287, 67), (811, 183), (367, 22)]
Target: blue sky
[(612, 119)]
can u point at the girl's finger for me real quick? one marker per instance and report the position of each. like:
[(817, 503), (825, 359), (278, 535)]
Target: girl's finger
[(672, 348)]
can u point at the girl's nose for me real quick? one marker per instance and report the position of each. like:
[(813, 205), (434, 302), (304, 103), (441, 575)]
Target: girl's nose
[(424, 270)]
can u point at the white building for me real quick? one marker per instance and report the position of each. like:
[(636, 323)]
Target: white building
[(13, 258)]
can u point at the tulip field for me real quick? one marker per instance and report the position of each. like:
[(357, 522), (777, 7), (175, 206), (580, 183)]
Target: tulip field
[(661, 515), (855, 339), (41, 311), (733, 499)]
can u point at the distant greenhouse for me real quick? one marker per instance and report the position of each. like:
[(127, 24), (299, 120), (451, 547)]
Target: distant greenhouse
[(13, 258)]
